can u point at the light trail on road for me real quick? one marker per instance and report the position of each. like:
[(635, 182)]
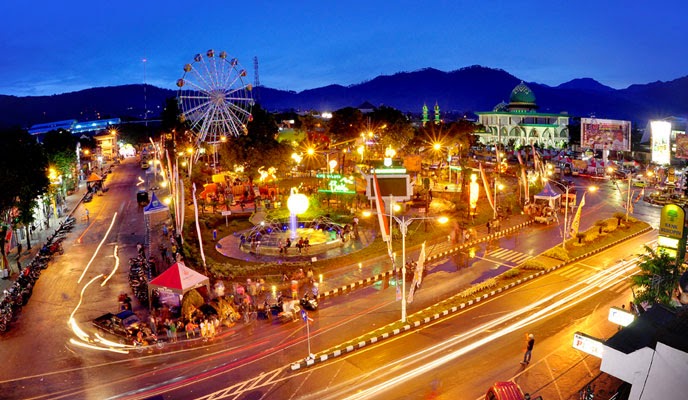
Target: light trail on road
[(597, 283), (95, 253)]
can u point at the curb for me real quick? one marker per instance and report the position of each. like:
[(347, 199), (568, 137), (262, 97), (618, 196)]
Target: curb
[(367, 281), (311, 361)]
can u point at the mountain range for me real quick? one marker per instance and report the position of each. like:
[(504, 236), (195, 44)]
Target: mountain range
[(460, 92)]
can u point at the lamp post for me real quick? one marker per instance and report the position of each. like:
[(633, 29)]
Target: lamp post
[(403, 228), (566, 209)]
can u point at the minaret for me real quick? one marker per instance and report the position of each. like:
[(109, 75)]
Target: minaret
[(425, 114), (437, 114)]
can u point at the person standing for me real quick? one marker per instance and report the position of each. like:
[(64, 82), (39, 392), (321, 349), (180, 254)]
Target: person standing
[(165, 231), (488, 227), (19, 250), (530, 342)]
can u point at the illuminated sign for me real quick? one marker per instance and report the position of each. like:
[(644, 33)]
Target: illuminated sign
[(338, 184), (588, 344), (328, 176), (606, 134), (620, 316), (398, 186), (681, 143), (671, 243), (661, 134), (671, 221), (385, 171)]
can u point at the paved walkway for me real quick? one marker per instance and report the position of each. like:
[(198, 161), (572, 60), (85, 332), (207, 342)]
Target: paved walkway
[(41, 235)]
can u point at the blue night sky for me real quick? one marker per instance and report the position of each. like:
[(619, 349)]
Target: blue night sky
[(51, 47)]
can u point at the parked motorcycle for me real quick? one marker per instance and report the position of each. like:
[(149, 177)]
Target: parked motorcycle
[(309, 302), (290, 311)]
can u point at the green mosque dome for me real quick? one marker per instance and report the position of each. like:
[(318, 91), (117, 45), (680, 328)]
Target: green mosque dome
[(522, 97)]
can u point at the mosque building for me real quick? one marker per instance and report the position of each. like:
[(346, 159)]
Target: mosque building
[(519, 124)]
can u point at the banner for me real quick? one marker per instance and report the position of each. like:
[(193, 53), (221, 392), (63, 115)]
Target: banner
[(526, 187), (487, 186), (381, 217), (681, 145), (198, 227), (576, 219), (605, 134), (418, 274)]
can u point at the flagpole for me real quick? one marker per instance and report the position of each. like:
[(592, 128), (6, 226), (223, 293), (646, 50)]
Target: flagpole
[(308, 335), (566, 217), (628, 200)]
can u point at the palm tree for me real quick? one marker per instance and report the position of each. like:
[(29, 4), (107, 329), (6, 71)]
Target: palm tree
[(601, 224), (619, 216), (658, 278)]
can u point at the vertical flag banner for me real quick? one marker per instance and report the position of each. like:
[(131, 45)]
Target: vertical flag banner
[(526, 189), (418, 274), (381, 217), (487, 186), (576, 219), (198, 228)]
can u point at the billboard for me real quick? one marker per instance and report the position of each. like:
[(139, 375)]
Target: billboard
[(609, 134), (681, 145), (661, 133), (398, 186)]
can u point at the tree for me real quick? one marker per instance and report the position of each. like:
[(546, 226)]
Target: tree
[(258, 148), (60, 149), (658, 278), (619, 216), (601, 224), (24, 176), (397, 131), (346, 123)]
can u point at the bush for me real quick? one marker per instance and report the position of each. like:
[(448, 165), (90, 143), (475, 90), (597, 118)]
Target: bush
[(534, 265), (485, 285), (512, 273), (558, 253), (591, 236)]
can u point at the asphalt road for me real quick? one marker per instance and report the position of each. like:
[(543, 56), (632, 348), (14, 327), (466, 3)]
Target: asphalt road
[(252, 361), (461, 356)]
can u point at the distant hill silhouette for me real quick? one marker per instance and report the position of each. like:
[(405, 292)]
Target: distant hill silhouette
[(465, 90)]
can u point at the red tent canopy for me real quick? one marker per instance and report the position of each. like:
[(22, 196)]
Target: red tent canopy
[(179, 279)]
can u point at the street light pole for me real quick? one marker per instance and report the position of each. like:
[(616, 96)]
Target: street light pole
[(628, 199)]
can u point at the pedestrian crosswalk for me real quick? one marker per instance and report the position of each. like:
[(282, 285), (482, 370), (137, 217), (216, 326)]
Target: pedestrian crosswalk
[(581, 272), (506, 255)]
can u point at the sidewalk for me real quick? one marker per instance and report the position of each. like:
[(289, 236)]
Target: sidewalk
[(40, 236)]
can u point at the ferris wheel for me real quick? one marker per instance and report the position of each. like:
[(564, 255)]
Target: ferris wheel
[(215, 97)]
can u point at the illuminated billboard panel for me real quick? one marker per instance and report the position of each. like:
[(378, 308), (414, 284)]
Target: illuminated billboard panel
[(681, 145), (606, 134), (398, 186), (661, 133)]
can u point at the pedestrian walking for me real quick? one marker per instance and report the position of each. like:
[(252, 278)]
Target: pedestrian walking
[(19, 249), (488, 227), (163, 252), (214, 235), (530, 342), (153, 324), (87, 214), (165, 231)]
